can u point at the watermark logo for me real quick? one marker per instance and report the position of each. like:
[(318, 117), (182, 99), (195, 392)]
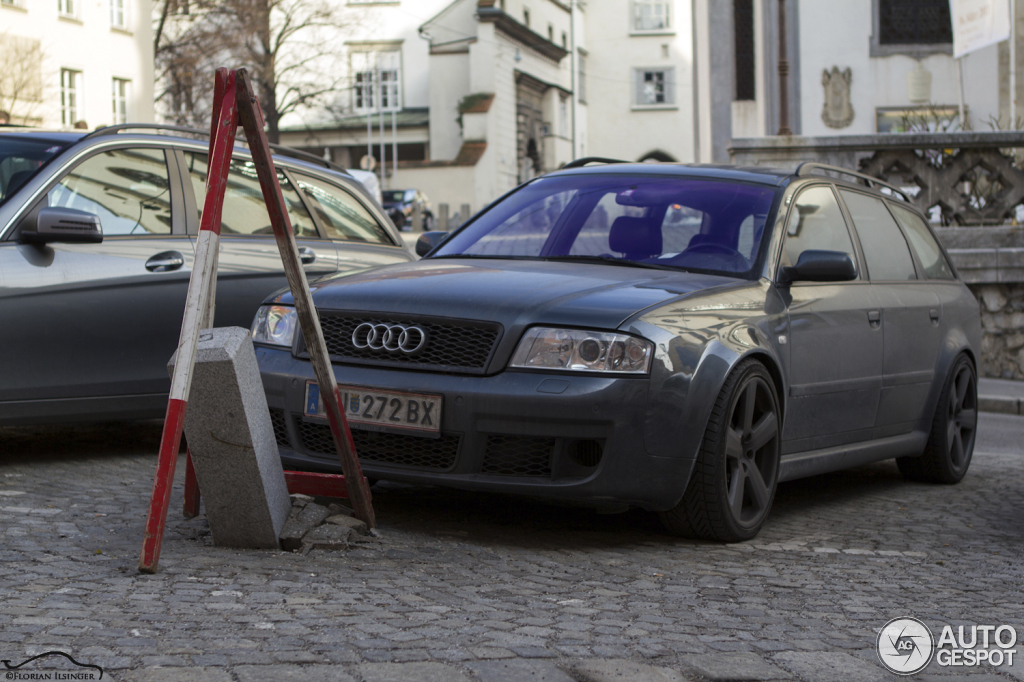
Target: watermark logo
[(905, 646), (971, 646), (86, 671)]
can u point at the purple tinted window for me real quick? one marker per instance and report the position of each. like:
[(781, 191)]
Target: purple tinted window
[(707, 225)]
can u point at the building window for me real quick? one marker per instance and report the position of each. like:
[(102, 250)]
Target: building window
[(121, 88), (565, 41), (914, 22), (118, 14), (563, 117), (67, 8), (70, 94), (650, 15), (366, 95), (13, 3), (526, 16), (654, 87), (743, 23), (581, 86)]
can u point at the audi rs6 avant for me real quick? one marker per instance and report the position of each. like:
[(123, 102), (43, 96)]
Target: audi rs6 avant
[(678, 338)]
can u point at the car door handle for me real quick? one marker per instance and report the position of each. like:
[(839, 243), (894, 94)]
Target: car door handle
[(934, 314), (874, 318), (306, 255), (165, 262)]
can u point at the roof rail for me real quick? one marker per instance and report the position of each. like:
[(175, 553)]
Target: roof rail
[(580, 163), (807, 167), (279, 149)]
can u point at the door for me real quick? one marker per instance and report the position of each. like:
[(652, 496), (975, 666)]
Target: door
[(97, 320), (249, 265), (835, 336), (910, 315)]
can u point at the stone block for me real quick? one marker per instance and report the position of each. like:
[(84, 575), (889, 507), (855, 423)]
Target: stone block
[(405, 672), (518, 670), (346, 521), (832, 665), (623, 670), (328, 536), (733, 666), (231, 438), (301, 521)]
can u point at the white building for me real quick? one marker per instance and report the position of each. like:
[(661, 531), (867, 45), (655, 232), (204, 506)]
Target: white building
[(491, 92), (85, 62)]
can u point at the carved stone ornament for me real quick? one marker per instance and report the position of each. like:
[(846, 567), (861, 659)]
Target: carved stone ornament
[(838, 111)]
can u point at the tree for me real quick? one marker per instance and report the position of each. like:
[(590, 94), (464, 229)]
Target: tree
[(21, 82), (290, 48)]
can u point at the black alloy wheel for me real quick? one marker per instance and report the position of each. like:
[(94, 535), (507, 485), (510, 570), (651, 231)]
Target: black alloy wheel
[(733, 484), (950, 445)]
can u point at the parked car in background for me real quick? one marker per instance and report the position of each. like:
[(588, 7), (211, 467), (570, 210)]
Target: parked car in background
[(671, 337), (400, 203), (97, 241)]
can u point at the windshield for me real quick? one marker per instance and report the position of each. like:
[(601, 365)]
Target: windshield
[(20, 159), (692, 224)]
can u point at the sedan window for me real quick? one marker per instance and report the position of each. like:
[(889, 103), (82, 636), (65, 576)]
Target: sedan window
[(816, 222), (127, 188), (245, 212), (342, 216), (924, 244), (20, 159), (885, 249), (677, 222)]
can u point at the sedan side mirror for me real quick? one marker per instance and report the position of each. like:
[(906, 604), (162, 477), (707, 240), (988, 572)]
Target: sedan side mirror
[(820, 266), (64, 225), (428, 240)]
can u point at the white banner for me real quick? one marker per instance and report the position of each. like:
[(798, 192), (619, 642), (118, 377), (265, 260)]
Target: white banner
[(978, 24)]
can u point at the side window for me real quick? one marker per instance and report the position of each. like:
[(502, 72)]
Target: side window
[(127, 188), (921, 240), (342, 216), (245, 212), (885, 250), (816, 222)]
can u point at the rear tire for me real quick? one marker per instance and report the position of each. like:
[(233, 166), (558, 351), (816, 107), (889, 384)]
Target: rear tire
[(951, 442), (733, 484)]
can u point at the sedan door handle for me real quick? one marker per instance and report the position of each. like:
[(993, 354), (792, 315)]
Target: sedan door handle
[(306, 255), (934, 314), (874, 318), (165, 262)]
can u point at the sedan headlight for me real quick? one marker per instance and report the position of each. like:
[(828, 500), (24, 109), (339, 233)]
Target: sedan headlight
[(275, 325), (572, 349)]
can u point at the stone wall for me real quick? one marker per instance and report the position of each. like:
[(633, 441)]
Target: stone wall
[(1002, 322)]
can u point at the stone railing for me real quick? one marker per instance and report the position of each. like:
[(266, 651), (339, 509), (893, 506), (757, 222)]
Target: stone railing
[(974, 181), (967, 178)]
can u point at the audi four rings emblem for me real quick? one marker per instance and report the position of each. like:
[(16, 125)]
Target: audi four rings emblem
[(393, 338)]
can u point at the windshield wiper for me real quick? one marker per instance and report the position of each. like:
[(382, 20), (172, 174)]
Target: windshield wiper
[(612, 260)]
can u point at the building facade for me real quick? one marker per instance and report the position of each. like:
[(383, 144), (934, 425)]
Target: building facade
[(76, 63)]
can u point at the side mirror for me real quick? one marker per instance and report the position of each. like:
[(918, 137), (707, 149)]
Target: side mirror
[(428, 240), (820, 266), (64, 225)]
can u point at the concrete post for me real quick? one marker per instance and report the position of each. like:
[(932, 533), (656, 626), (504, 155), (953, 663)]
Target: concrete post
[(442, 217), (417, 217), (232, 442), (464, 213)]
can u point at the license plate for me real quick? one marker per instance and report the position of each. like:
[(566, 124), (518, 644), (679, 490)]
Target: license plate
[(376, 410)]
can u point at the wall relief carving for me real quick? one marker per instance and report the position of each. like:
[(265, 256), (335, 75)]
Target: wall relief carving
[(837, 111)]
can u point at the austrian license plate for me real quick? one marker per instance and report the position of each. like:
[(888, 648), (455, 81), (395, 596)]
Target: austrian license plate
[(375, 410)]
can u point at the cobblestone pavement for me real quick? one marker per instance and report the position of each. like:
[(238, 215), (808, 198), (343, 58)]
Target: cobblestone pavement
[(471, 587)]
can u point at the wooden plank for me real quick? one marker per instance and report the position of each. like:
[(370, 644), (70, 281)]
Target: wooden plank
[(252, 120)]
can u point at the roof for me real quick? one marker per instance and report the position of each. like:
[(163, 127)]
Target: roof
[(44, 135), (406, 118)]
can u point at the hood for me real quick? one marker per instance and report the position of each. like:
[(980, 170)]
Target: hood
[(515, 293)]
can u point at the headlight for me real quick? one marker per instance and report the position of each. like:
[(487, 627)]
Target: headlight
[(572, 349), (275, 325)]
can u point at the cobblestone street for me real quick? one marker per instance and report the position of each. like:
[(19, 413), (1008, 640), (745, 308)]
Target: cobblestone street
[(467, 586)]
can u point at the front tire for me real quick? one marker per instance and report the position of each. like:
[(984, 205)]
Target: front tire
[(951, 443), (733, 484)]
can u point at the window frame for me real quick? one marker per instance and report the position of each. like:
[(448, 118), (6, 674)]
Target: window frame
[(634, 17), (392, 88), (852, 225), (913, 50), (789, 201), (123, 98), (669, 85), (321, 229), (922, 275), (124, 8), (76, 90), (62, 9)]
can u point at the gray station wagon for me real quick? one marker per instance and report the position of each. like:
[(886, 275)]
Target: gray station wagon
[(678, 338), (90, 318)]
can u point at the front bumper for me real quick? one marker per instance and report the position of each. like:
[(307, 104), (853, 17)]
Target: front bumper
[(576, 438)]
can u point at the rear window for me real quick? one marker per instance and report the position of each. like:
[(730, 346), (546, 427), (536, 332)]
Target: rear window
[(19, 161)]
